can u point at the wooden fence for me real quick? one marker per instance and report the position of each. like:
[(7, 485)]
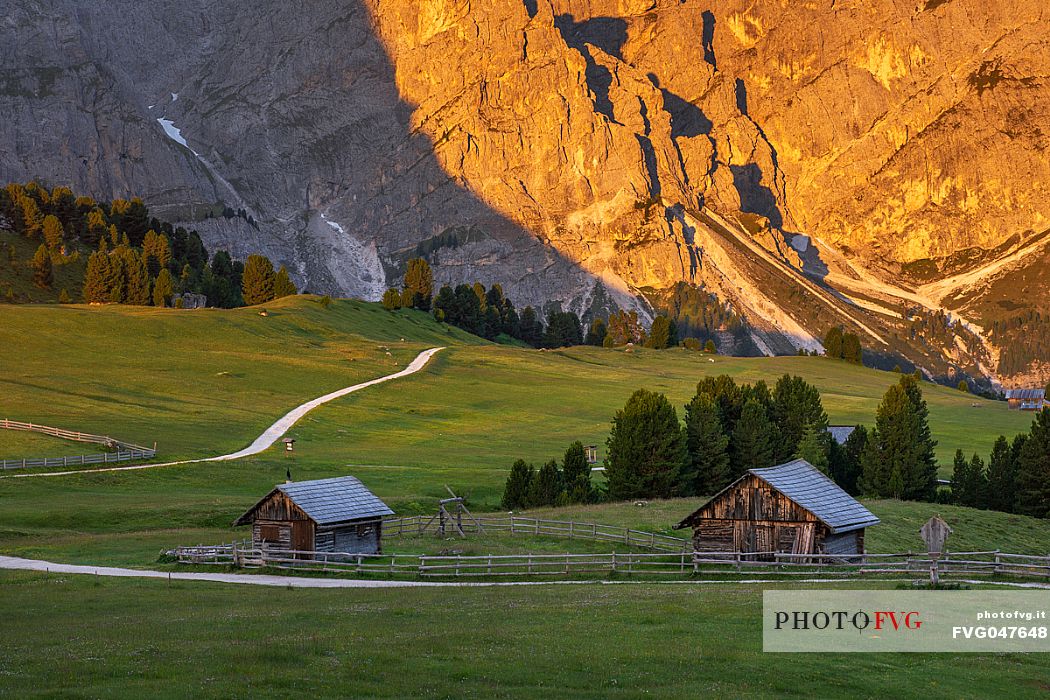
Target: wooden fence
[(679, 564), (124, 451), (420, 525)]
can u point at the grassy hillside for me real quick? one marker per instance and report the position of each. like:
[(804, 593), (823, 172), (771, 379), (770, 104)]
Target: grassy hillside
[(20, 445), (199, 382), (17, 275), (116, 638), (206, 382)]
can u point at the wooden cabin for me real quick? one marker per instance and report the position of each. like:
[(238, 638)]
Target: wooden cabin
[(1027, 399), (792, 508), (326, 515)]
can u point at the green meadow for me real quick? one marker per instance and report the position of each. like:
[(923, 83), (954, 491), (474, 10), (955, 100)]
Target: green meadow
[(207, 382), (77, 636)]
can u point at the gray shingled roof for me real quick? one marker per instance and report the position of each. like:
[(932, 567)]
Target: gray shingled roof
[(841, 433), (816, 492), (328, 501), (1026, 394)]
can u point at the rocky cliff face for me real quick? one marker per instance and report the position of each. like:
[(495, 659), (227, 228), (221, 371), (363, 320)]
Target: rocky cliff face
[(863, 163)]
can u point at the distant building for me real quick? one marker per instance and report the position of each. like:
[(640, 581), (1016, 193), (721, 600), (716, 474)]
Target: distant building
[(841, 433), (592, 454), (792, 508), (1027, 399), (190, 300), (326, 515)]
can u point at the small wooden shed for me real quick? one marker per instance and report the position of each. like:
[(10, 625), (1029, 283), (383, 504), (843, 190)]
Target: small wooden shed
[(326, 515), (1027, 399), (792, 508)]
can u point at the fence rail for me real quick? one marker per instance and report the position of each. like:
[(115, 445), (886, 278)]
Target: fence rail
[(419, 525), (244, 554), (125, 451)]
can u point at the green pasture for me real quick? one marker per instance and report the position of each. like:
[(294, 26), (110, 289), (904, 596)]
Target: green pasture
[(197, 382), (17, 444), (78, 636)]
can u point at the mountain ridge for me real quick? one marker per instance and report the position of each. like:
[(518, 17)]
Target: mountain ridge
[(559, 147)]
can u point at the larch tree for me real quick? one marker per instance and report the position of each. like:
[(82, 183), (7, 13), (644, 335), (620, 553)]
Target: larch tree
[(283, 285), (54, 234), (257, 281), (392, 301), (419, 284), (42, 269), (157, 251), (163, 288)]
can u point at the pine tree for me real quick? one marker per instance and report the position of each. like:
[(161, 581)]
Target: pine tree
[(833, 342), (796, 406), (531, 327), (577, 474), (709, 347), (646, 448), (851, 349), (727, 396), (54, 234), (596, 333), (519, 484), (258, 280), (563, 330), (752, 443), (42, 270), (707, 470), (163, 288), (392, 300), (899, 459), (547, 486), (920, 481), (283, 285), (846, 469), (1033, 469), (977, 487), (1002, 477), (418, 284), (813, 447), (64, 298), (960, 477)]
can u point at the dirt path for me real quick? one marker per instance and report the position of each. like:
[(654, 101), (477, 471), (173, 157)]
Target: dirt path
[(20, 564), (269, 436)]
